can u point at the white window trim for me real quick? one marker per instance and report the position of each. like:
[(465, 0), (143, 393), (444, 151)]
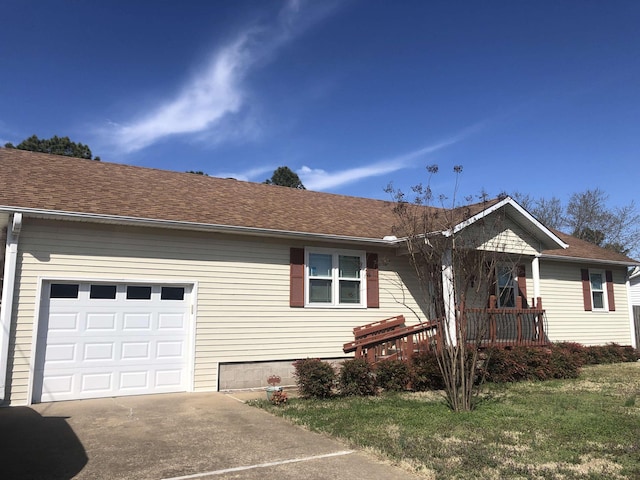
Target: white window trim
[(335, 279), (605, 295)]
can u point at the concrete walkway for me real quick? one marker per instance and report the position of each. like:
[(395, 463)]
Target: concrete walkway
[(199, 436)]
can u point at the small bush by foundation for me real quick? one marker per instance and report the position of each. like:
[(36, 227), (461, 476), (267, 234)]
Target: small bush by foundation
[(357, 378), (498, 365), (393, 375), (314, 378), (425, 372), (559, 360), (610, 353)]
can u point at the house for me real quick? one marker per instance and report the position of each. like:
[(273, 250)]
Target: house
[(121, 280), (634, 286), (634, 293)]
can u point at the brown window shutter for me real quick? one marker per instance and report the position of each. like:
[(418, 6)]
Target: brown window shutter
[(522, 284), (296, 280), (373, 283), (609, 278), (586, 289)]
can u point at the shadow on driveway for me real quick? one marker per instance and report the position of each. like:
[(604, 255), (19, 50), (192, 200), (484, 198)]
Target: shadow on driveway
[(37, 447), (168, 436)]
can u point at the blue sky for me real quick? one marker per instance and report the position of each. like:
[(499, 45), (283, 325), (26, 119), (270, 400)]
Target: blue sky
[(541, 97)]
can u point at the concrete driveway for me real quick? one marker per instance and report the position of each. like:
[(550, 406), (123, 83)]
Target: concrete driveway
[(199, 436)]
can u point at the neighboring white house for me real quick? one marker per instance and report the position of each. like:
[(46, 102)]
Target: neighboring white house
[(121, 280), (634, 298), (634, 287)]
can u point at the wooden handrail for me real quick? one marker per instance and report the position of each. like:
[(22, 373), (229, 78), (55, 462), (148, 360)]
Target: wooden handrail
[(504, 327), (389, 336), (379, 326)]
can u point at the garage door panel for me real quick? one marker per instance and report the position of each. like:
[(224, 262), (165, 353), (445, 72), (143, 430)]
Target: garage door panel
[(99, 352), (58, 386), (134, 380), (169, 350), (96, 382), (109, 347), (171, 321), (168, 378), (98, 322), (61, 353), (136, 321), (136, 351), (64, 322)]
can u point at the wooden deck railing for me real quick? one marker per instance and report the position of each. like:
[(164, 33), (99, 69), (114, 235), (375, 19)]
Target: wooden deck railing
[(506, 327), (391, 339), (490, 327)]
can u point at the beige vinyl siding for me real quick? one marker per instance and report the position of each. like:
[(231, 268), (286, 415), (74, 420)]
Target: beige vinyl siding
[(503, 235), (561, 291), (243, 311), (634, 291)]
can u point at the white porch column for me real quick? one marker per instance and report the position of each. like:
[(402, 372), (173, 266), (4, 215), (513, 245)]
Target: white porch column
[(535, 274), (8, 285), (448, 294)]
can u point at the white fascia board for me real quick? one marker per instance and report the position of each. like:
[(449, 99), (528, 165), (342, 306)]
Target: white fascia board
[(194, 226), (635, 273), (561, 258), (502, 203)]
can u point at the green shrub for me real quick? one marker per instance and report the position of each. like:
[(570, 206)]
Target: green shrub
[(356, 378), (504, 366), (578, 350), (630, 354), (610, 353), (532, 363), (566, 361), (425, 372), (599, 354), (393, 375), (315, 378)]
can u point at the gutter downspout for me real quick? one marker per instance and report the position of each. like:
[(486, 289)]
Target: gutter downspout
[(8, 287)]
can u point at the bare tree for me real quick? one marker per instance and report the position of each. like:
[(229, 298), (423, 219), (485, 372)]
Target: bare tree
[(548, 211), (588, 217), (587, 211), (454, 268)]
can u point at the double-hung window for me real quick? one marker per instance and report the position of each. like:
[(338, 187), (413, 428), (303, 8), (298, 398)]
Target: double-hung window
[(597, 281), (335, 278), (598, 290)]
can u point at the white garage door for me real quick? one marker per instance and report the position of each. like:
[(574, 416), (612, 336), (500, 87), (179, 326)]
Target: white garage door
[(103, 340)]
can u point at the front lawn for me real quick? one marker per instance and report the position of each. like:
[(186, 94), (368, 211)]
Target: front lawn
[(570, 429)]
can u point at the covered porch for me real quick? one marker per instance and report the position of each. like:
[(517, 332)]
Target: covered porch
[(392, 339)]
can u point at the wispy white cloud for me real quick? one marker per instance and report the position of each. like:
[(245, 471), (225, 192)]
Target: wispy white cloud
[(216, 93), (205, 100), (251, 175), (319, 179)]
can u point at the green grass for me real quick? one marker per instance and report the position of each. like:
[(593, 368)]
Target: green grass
[(587, 428)]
